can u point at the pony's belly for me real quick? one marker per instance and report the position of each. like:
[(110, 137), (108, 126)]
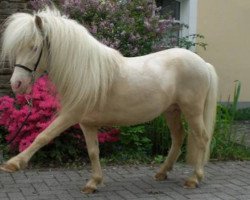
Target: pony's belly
[(119, 119), (126, 116)]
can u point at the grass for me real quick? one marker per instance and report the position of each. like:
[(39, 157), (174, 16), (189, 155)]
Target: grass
[(226, 145)]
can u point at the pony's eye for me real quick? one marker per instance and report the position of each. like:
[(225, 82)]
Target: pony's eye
[(33, 48)]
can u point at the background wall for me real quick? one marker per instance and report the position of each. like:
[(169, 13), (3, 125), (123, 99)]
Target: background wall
[(225, 25), (7, 7)]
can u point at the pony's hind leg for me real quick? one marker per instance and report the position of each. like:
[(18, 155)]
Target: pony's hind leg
[(91, 139), (173, 118), (20, 161), (198, 141)]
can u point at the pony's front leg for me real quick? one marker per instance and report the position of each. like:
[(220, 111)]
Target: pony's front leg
[(20, 161), (91, 138)]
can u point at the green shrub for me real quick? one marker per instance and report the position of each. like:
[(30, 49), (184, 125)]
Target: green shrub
[(224, 145), (159, 135), (135, 140)]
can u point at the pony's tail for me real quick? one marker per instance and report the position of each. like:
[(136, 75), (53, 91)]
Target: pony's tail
[(209, 114)]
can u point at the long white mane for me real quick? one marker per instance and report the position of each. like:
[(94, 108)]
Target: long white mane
[(82, 68)]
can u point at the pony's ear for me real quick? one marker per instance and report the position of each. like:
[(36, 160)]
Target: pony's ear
[(39, 23)]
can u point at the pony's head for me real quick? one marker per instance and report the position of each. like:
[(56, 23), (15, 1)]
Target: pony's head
[(24, 46)]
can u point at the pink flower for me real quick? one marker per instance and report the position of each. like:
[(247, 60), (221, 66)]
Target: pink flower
[(101, 138), (13, 113), (109, 136)]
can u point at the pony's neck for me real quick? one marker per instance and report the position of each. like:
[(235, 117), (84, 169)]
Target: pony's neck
[(82, 68)]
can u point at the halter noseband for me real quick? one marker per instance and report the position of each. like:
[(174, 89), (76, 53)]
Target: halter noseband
[(36, 64)]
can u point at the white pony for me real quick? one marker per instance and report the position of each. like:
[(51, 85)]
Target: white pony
[(99, 87)]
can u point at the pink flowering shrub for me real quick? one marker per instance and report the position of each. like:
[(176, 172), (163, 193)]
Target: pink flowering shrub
[(13, 113), (109, 135)]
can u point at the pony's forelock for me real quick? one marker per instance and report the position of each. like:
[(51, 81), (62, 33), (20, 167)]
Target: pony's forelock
[(19, 32)]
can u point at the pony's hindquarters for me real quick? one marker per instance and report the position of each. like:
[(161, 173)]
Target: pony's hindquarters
[(197, 100), (209, 114)]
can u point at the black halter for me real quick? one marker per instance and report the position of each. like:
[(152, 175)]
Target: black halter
[(36, 64)]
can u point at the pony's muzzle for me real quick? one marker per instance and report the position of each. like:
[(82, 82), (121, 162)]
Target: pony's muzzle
[(15, 86), (20, 86)]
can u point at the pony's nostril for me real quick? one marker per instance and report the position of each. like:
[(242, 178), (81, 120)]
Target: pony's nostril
[(19, 83)]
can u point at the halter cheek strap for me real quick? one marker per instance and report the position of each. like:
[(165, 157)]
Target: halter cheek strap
[(39, 58)]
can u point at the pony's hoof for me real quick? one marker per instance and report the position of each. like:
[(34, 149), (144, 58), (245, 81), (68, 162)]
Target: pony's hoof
[(88, 190), (191, 184), (9, 167), (161, 176)]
